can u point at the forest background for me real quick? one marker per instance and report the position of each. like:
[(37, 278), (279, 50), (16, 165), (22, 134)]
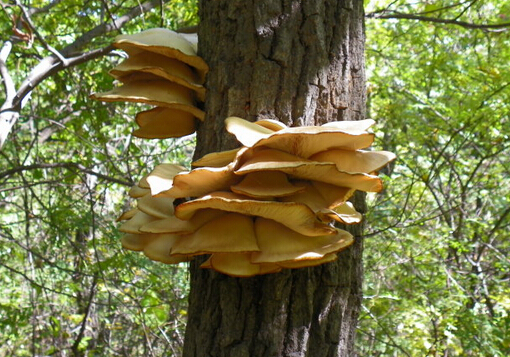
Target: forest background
[(436, 246)]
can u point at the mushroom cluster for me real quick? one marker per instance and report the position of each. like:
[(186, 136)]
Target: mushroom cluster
[(271, 204), (162, 69)]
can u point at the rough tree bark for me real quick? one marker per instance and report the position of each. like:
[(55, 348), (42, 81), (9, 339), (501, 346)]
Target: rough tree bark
[(300, 62)]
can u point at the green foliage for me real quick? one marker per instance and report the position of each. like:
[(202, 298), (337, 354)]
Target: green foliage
[(436, 259), (436, 249), (68, 288)]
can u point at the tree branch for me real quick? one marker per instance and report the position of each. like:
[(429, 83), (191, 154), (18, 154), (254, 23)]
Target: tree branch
[(108, 27), (41, 39), (10, 89), (398, 15), (65, 165), (38, 10), (48, 67), (69, 56)]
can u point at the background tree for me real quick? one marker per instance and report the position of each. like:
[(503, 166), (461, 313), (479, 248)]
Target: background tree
[(437, 247), (67, 286)]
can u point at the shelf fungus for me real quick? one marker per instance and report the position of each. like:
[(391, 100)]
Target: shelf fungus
[(270, 205), (162, 70)]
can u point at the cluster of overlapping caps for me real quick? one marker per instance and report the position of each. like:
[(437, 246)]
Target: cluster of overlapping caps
[(162, 69), (269, 205)]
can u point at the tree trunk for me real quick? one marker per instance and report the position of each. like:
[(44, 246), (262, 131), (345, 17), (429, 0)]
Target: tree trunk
[(300, 62)]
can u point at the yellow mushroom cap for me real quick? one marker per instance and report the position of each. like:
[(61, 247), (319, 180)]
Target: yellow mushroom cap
[(276, 160), (230, 232), (278, 243), (355, 161), (137, 192), (238, 265), (156, 92), (266, 184), (162, 123), (175, 225), (136, 242), (127, 215), (271, 124), (159, 207), (159, 248), (294, 264), (293, 215), (201, 181), (300, 141), (166, 42), (217, 159), (343, 212), (160, 67), (334, 195), (133, 225), (162, 177), (192, 39)]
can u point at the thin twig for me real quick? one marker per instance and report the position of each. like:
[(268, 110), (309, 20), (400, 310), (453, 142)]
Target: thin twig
[(65, 165), (468, 25)]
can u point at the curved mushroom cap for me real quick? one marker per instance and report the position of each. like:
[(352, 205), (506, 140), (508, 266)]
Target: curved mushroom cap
[(217, 159), (127, 215), (162, 177), (271, 124), (137, 192), (266, 184), (175, 225), (276, 160), (247, 133), (159, 207), (300, 141), (158, 248), (310, 196), (334, 195), (136, 242), (133, 225), (143, 183), (294, 264), (238, 265), (166, 42), (201, 181), (159, 92), (278, 243), (355, 161), (160, 67), (154, 246), (296, 216), (344, 213), (192, 39), (231, 232), (162, 123)]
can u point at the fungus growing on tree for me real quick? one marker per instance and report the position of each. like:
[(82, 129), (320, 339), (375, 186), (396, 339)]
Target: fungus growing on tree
[(270, 205), (163, 70)]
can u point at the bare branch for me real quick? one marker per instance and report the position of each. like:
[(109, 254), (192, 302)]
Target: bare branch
[(38, 10), (468, 25), (46, 45), (108, 27), (65, 165), (69, 56), (10, 89), (34, 283), (49, 66)]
